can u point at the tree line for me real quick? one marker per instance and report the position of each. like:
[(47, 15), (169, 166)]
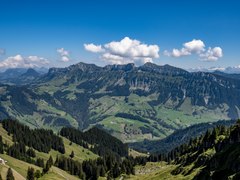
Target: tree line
[(40, 139), (101, 142)]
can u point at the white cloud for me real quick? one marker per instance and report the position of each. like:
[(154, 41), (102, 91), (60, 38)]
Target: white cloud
[(19, 61), (212, 54), (177, 53), (65, 55), (93, 48), (65, 59), (196, 47), (125, 51), (63, 52)]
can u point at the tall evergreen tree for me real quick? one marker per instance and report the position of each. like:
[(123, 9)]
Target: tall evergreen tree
[(40, 162), (10, 175), (37, 174), (72, 154), (49, 163), (30, 173), (1, 145)]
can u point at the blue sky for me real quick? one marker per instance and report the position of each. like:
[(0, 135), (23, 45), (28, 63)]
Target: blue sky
[(33, 31)]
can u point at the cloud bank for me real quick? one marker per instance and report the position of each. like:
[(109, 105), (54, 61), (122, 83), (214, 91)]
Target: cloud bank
[(65, 55), (19, 61), (125, 51), (196, 47)]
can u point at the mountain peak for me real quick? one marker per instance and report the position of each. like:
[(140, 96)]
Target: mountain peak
[(123, 67), (165, 69), (84, 66), (31, 72)]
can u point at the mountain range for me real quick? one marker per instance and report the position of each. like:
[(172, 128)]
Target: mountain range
[(132, 103), (21, 76)]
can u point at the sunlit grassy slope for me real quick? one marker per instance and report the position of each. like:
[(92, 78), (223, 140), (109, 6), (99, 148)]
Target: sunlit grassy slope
[(20, 167), (158, 171)]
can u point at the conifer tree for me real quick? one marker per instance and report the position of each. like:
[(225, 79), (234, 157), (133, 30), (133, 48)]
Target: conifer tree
[(72, 154), (37, 174), (30, 173), (1, 145), (10, 174)]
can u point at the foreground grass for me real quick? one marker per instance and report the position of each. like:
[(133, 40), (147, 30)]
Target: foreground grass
[(20, 166), (157, 171), (4, 169), (133, 153), (6, 138), (80, 153), (57, 174), (20, 170)]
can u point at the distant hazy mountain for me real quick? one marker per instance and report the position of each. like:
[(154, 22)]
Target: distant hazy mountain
[(228, 70), (21, 76), (12, 73), (132, 103), (234, 76)]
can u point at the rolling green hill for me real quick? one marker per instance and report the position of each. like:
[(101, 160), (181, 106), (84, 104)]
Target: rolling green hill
[(20, 170), (20, 167), (75, 154), (213, 155)]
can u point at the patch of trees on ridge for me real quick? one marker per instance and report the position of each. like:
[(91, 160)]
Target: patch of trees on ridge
[(102, 143), (223, 161), (179, 137), (40, 139), (131, 116), (109, 165)]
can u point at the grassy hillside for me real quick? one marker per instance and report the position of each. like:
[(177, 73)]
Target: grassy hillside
[(57, 174), (6, 138), (4, 169), (214, 155), (177, 138), (20, 167), (157, 171), (80, 153), (20, 170), (45, 149)]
